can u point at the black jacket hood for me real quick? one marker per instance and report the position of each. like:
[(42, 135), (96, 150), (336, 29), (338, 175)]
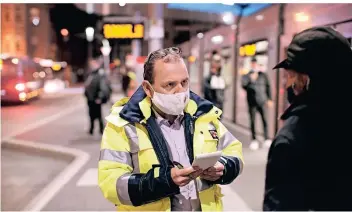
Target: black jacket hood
[(326, 57)]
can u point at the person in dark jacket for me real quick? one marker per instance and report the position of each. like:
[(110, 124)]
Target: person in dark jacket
[(214, 87), (257, 85), (309, 161), (125, 80), (97, 92)]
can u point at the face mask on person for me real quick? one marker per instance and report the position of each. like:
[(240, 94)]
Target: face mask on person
[(290, 94), (296, 85), (171, 104)]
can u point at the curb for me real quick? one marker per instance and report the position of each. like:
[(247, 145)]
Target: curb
[(80, 158), (49, 191)]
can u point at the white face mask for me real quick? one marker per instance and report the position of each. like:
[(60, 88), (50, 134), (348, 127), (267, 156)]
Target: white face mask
[(172, 104)]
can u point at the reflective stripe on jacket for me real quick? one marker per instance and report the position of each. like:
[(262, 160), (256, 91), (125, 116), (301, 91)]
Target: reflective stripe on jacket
[(127, 155)]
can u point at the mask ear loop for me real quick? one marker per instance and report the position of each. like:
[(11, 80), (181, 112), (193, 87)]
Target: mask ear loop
[(308, 82), (293, 85), (151, 87)]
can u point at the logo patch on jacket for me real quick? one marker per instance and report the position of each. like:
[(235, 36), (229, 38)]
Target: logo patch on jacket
[(214, 134)]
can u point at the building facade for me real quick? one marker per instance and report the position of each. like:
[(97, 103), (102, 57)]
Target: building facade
[(26, 31)]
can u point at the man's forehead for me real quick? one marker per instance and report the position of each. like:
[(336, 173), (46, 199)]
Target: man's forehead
[(169, 65), (165, 69)]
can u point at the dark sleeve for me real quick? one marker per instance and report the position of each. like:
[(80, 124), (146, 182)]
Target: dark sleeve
[(268, 87), (283, 183), (101, 86), (246, 82), (207, 89), (147, 188), (207, 83), (231, 171)]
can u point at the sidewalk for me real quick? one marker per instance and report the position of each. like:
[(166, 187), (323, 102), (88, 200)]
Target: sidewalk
[(19, 184), (250, 184), (81, 192)]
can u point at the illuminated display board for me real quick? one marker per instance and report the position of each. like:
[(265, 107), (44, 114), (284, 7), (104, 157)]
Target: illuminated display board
[(252, 49), (123, 31)]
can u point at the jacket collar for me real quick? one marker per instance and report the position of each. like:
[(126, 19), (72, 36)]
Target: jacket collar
[(137, 109), (298, 106)]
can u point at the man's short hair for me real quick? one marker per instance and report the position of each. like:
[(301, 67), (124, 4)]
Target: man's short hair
[(172, 54), (254, 60)]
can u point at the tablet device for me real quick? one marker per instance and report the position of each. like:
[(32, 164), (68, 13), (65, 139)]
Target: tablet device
[(206, 160)]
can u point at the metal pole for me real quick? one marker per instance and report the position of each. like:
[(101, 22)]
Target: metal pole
[(90, 50), (106, 56), (89, 10), (136, 43), (106, 65), (237, 33), (190, 31), (278, 48)]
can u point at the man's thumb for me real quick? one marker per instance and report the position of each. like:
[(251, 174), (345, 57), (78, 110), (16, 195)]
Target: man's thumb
[(187, 171)]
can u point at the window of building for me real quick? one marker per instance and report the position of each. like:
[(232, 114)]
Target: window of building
[(18, 46), (34, 12), (18, 17), (6, 47), (7, 17)]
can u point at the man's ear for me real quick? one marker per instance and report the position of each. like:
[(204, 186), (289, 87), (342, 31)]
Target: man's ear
[(147, 88)]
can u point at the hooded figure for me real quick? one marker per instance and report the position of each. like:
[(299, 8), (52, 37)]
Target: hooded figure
[(310, 159)]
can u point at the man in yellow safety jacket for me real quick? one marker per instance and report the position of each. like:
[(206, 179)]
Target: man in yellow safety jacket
[(151, 139)]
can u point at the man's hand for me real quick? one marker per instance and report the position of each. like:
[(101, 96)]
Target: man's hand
[(269, 103), (182, 177), (98, 101), (213, 173), (253, 76)]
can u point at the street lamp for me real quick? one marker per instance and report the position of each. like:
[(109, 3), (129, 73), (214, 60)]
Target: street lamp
[(64, 32), (105, 50), (228, 18), (90, 38), (90, 34), (200, 35)]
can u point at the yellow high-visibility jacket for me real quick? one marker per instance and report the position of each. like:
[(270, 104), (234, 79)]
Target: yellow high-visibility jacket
[(133, 174)]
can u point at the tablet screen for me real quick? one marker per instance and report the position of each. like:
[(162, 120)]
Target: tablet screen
[(206, 160)]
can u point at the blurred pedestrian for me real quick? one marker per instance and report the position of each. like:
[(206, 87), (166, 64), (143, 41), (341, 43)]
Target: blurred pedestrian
[(97, 92), (214, 87), (310, 158), (257, 85), (125, 80), (148, 146)]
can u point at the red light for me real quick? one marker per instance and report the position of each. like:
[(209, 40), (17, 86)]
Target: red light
[(64, 32), (20, 87)]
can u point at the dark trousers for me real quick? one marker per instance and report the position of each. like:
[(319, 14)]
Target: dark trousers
[(262, 111), (95, 113)]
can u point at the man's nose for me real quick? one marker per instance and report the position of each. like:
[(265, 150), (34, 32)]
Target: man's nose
[(179, 88)]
